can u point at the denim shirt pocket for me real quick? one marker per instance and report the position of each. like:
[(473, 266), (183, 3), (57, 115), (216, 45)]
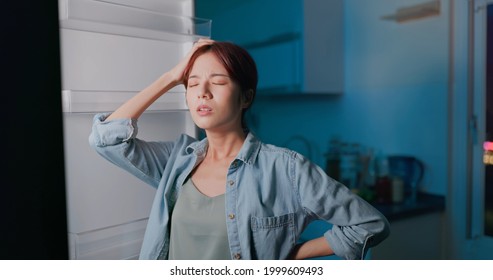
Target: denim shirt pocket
[(273, 237)]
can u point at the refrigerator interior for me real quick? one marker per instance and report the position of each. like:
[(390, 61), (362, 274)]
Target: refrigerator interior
[(110, 50), (107, 207)]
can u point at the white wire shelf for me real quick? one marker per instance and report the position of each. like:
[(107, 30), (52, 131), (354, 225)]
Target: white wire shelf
[(78, 101), (117, 19)]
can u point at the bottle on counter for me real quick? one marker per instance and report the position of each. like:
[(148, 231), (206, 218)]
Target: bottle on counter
[(383, 183), (370, 171), (333, 159), (349, 167), (366, 174), (397, 190)]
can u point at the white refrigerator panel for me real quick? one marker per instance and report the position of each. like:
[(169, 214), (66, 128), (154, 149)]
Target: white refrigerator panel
[(105, 62), (172, 7)]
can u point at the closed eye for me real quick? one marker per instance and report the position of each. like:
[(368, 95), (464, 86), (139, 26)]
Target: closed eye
[(219, 81), (192, 82)]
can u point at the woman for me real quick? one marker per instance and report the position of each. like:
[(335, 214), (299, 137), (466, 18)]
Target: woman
[(230, 196)]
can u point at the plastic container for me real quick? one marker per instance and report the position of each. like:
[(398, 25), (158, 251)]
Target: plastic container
[(348, 165), (397, 190)]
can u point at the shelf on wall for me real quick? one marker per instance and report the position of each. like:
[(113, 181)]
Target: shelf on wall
[(419, 11), (78, 101), (111, 18)]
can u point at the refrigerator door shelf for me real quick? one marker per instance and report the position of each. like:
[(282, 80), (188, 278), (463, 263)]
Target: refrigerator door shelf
[(114, 242), (116, 19), (108, 101)]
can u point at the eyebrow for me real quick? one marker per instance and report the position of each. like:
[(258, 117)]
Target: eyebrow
[(212, 75)]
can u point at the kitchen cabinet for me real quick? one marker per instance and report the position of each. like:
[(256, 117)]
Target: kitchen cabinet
[(415, 238), (416, 230), (298, 45)]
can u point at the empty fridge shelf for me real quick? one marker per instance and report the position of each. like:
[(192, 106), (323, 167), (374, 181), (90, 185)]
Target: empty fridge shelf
[(110, 243), (104, 17), (74, 101)]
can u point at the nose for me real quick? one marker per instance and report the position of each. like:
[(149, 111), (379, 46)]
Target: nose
[(204, 93)]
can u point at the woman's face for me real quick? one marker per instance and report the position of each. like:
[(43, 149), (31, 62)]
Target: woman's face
[(213, 98)]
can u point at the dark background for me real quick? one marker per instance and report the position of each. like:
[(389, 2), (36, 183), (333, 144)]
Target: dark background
[(488, 185), (32, 193)]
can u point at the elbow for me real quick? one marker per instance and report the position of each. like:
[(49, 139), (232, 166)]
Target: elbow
[(385, 231), (381, 232), (92, 140)]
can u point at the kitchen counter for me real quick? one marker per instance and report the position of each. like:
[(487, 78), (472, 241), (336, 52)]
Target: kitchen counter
[(426, 203), (416, 231)]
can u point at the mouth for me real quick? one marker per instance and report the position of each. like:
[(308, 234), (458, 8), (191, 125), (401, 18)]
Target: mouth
[(204, 110)]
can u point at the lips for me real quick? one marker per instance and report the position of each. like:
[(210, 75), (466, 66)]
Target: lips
[(204, 110)]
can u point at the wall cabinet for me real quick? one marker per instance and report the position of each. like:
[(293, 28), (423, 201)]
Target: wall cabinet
[(298, 45)]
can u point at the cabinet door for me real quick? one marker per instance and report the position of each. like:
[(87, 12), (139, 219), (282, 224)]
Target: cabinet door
[(297, 45), (252, 21), (278, 66), (416, 238)]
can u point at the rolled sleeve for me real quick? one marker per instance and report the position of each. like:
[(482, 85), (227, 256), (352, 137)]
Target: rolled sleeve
[(114, 132), (116, 141)]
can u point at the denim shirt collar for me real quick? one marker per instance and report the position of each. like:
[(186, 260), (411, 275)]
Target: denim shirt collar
[(198, 147), (248, 152)]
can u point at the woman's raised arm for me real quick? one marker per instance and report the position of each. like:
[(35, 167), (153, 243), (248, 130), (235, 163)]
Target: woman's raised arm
[(136, 105)]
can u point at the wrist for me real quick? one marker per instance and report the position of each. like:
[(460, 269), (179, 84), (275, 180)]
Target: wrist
[(169, 80)]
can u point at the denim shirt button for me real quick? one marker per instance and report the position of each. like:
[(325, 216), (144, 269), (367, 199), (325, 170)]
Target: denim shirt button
[(231, 216), (231, 183), (237, 256)]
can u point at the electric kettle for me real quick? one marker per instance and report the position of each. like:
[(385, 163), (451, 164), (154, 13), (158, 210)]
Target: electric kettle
[(410, 170)]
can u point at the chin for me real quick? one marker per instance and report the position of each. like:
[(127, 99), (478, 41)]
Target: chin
[(202, 125)]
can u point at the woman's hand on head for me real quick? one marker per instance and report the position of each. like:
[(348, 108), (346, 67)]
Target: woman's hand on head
[(178, 71)]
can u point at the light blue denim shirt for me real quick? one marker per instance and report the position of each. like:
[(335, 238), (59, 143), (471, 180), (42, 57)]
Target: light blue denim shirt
[(272, 193)]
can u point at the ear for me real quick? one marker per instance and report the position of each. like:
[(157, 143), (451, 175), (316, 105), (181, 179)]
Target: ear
[(247, 98)]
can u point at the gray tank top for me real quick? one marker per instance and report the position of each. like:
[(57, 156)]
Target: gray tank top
[(198, 226)]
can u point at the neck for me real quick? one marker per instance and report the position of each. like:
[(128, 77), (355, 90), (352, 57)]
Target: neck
[(224, 145)]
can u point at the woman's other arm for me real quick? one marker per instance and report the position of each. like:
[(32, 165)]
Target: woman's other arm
[(356, 225), (317, 247)]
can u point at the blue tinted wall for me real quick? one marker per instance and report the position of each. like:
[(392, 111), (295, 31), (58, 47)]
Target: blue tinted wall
[(395, 97)]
